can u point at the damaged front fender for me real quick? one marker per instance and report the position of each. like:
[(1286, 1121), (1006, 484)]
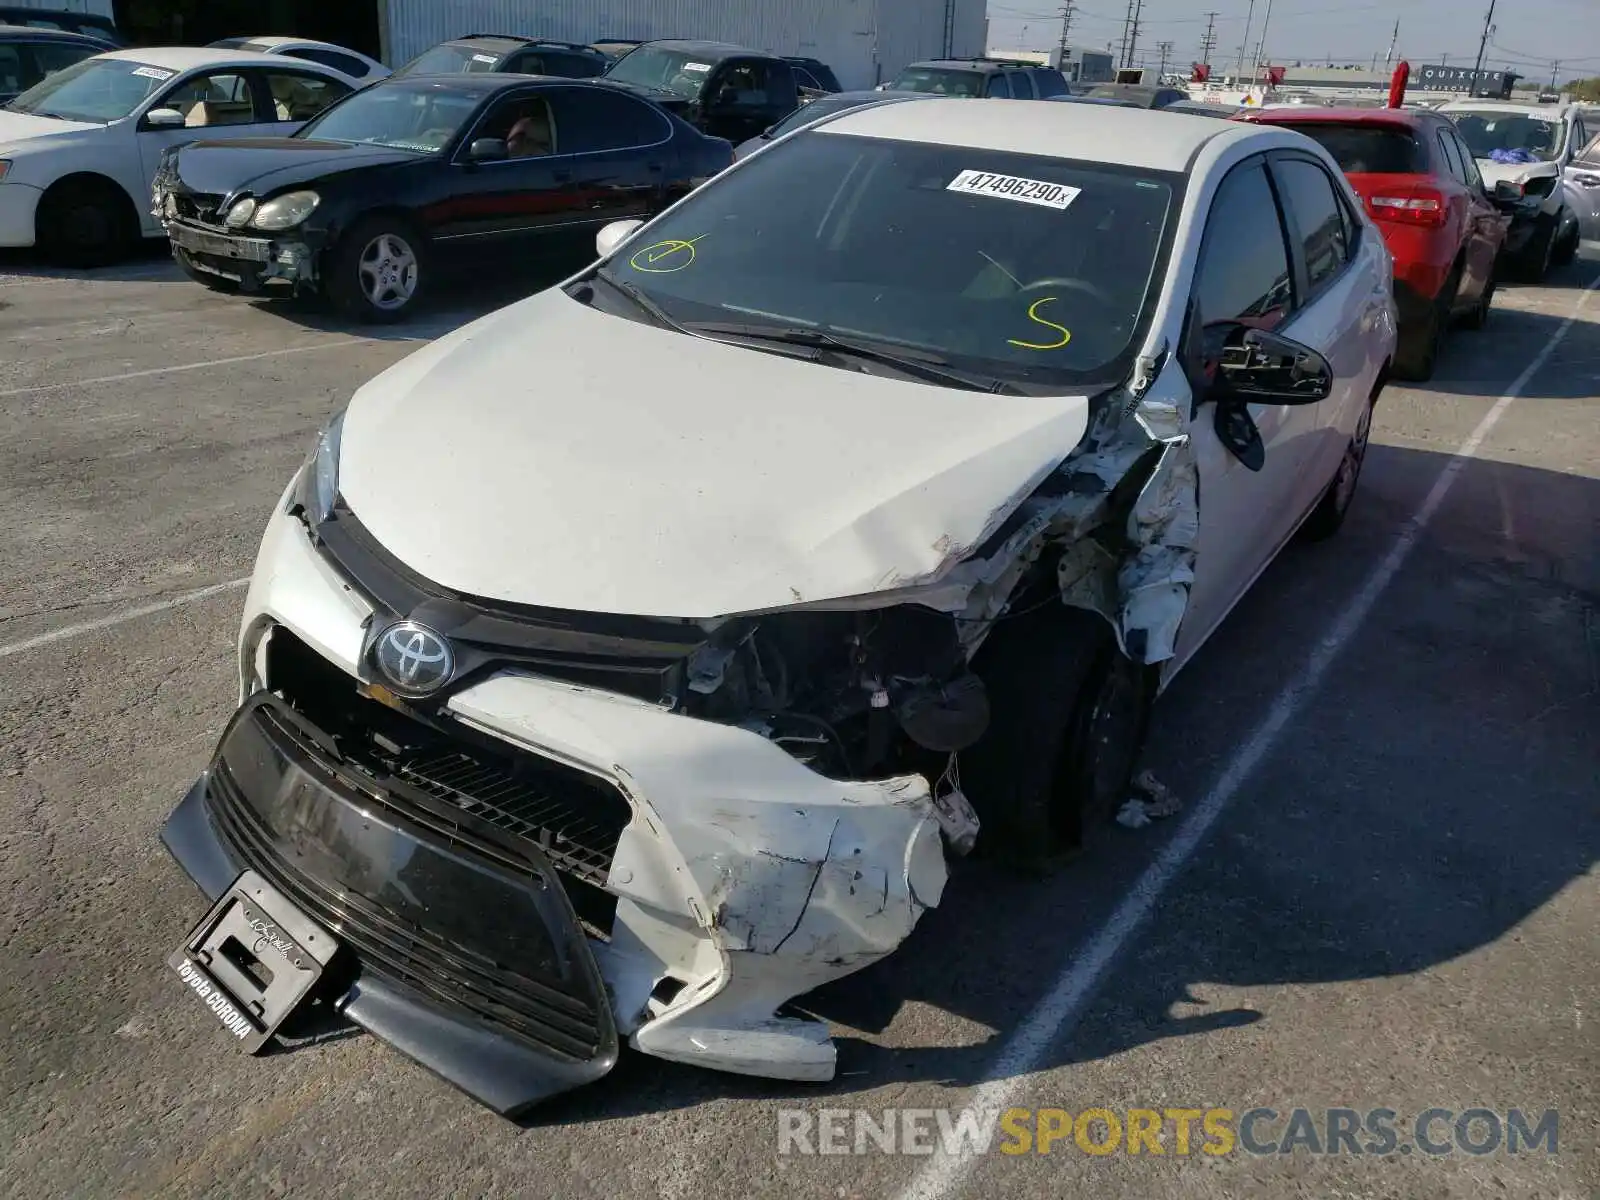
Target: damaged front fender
[(744, 879)]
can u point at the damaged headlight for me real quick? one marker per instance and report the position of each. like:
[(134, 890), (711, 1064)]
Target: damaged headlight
[(239, 215), (319, 480), (286, 211)]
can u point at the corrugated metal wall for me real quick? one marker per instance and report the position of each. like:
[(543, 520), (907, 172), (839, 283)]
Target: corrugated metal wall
[(862, 40), (98, 8)]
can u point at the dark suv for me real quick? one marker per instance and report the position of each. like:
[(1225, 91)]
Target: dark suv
[(995, 78), (89, 24), (28, 55), (480, 52)]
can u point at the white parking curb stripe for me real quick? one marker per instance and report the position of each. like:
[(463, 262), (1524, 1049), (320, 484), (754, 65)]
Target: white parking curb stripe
[(1061, 1007), (132, 614), (197, 366)]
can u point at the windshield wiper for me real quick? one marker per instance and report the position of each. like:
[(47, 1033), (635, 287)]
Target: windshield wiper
[(641, 301), (932, 368)]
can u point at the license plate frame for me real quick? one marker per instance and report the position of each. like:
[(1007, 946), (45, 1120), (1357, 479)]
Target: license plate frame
[(252, 931)]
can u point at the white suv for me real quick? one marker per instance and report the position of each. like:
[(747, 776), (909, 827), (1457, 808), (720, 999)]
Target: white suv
[(1525, 148)]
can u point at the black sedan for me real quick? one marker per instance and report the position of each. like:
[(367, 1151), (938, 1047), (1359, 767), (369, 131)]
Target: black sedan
[(369, 199)]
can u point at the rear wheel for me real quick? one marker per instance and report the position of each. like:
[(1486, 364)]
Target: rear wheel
[(379, 270), (85, 223), (1425, 344), (1328, 517), (1566, 247), (1068, 716)]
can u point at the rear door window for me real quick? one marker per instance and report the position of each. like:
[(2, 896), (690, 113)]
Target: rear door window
[(14, 75), (1368, 149), (593, 120), (998, 87), (1451, 155), (299, 95), (347, 64), (1049, 83)]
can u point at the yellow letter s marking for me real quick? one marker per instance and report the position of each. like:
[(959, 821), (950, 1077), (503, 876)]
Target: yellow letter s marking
[(1033, 315)]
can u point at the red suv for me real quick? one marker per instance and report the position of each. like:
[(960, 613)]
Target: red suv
[(1420, 184)]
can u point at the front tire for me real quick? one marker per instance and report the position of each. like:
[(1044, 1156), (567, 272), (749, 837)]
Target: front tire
[(1068, 717), (1478, 318), (85, 223), (379, 271), (1566, 249), (1534, 263)]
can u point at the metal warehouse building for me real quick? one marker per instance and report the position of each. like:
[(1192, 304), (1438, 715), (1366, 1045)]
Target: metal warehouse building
[(864, 41)]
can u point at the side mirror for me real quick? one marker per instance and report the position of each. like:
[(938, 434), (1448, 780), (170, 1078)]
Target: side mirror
[(487, 150), (1258, 367), (1506, 192), (164, 118), (613, 235)]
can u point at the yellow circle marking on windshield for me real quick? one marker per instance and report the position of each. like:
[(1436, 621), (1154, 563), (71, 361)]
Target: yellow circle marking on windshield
[(1033, 315), (675, 252)]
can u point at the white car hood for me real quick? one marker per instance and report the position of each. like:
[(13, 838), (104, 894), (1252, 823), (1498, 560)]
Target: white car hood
[(18, 128), (553, 455), (1496, 172)]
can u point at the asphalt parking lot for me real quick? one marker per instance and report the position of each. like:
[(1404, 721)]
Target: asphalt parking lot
[(1382, 891)]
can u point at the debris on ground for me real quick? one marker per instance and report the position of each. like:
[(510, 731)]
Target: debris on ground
[(1152, 801)]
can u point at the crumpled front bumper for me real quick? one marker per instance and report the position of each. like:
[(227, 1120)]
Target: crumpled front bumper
[(741, 880), (250, 260)]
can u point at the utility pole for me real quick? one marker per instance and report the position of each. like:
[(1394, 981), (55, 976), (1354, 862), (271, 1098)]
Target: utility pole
[(1165, 50), (1244, 46), (1208, 43), (1394, 40), (1483, 42), (1125, 54), (1133, 44), (1554, 67), (1261, 47), (1066, 23)]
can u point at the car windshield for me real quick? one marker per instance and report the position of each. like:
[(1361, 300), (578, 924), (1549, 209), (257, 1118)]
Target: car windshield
[(677, 71), (451, 60), (1034, 270), (939, 81), (1366, 149), (817, 109), (1511, 136), (420, 116), (96, 89)]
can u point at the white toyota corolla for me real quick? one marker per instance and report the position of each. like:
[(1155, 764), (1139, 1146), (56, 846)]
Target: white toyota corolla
[(79, 150), (626, 663)]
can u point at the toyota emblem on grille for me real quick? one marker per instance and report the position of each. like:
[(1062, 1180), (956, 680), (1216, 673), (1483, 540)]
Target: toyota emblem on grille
[(413, 658)]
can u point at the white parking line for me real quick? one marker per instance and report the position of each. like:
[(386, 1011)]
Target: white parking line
[(1062, 1006), (132, 614), (195, 366)]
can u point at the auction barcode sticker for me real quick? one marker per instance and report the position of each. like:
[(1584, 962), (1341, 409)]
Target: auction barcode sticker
[(153, 73), (1012, 187)]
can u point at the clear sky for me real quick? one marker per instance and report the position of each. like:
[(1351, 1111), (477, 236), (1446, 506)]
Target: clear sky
[(1530, 35)]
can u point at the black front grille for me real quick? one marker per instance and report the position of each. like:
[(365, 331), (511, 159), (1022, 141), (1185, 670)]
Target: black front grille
[(482, 794), (555, 1008), (199, 206)]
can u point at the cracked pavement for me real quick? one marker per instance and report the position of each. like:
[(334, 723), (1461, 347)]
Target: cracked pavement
[(1398, 908)]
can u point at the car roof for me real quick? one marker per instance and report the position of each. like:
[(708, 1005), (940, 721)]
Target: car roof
[(187, 58), (1136, 137), (1296, 114), (54, 35), (482, 83), (971, 64), (1489, 104), (705, 48)]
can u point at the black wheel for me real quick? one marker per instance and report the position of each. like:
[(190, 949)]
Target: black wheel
[(85, 223), (1533, 264), (1068, 716), (1566, 248), (1424, 345), (204, 278), (1328, 517), (1479, 316), (379, 270)]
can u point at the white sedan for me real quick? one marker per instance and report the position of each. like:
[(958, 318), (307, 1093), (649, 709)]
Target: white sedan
[(346, 61), (859, 506), (79, 150)]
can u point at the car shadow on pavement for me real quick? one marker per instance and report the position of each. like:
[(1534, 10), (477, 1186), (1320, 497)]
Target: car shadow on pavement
[(1434, 792)]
